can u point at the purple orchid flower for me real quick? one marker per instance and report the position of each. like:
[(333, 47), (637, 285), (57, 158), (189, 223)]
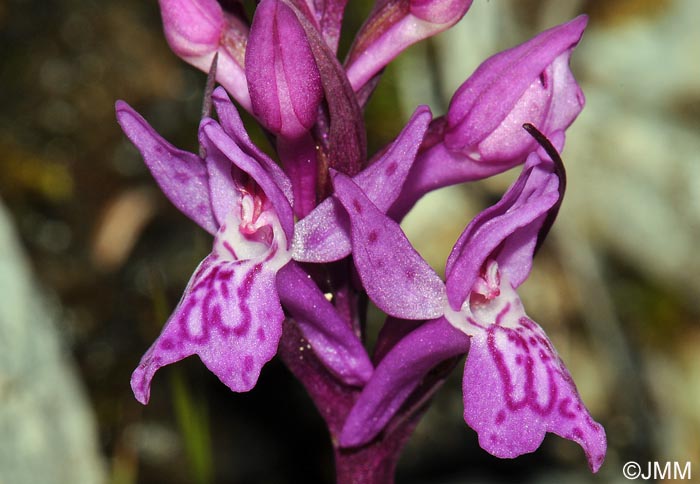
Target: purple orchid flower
[(516, 387), (481, 134), (230, 314)]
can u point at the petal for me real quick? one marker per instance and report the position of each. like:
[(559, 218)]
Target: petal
[(395, 276), (181, 175), (436, 167), (233, 126), (509, 89), (516, 388), (230, 315), (398, 375), (506, 232), (323, 236), (392, 27), (192, 27), (196, 30), (331, 338), (283, 80), (214, 139)]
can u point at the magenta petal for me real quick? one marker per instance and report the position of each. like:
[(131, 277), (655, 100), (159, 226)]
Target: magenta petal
[(507, 232), (524, 84), (330, 337), (322, 236), (196, 30), (214, 139), (395, 276), (230, 316), (398, 374), (181, 175), (516, 389), (392, 27), (233, 126), (283, 80)]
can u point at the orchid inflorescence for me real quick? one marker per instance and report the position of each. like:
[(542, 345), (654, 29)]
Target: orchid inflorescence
[(302, 242)]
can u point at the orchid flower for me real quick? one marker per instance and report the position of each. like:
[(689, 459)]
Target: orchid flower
[(516, 387), (230, 314), (481, 134)]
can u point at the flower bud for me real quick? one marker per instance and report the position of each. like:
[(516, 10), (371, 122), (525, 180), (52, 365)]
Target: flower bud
[(283, 79), (530, 83)]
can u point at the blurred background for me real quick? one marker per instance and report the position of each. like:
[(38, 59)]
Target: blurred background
[(93, 258)]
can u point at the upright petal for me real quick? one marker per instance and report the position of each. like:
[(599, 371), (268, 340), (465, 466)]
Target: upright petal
[(230, 316), (331, 338), (181, 175), (283, 79), (220, 144), (395, 276), (516, 388), (324, 235), (233, 126), (506, 232), (398, 375)]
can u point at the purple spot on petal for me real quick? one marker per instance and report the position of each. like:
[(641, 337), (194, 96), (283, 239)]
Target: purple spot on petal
[(247, 364), (372, 237), (391, 169), (564, 409), (494, 438), (261, 334), (410, 274), (577, 433), (544, 79), (166, 344), (500, 417), (356, 205)]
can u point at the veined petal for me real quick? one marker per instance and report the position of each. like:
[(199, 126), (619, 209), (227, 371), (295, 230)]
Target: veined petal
[(398, 374), (283, 79), (230, 316), (395, 276), (181, 175), (218, 143), (506, 232), (233, 126), (516, 388), (323, 235), (331, 338)]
